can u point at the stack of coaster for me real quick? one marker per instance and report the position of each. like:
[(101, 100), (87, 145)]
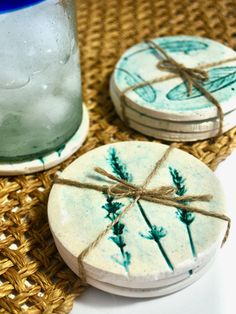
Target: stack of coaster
[(165, 109), (154, 249)]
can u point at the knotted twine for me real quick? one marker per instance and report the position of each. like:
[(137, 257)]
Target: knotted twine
[(164, 195), (190, 76)]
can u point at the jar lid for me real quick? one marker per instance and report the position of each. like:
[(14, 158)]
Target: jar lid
[(12, 5), (152, 243)]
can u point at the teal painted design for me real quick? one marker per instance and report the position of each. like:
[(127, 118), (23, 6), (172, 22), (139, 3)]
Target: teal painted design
[(113, 211), (155, 233), (118, 167), (185, 217), (41, 159), (147, 92), (60, 150), (219, 78), (185, 46)]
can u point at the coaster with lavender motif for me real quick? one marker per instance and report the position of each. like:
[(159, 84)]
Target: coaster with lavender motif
[(163, 103), (153, 246)]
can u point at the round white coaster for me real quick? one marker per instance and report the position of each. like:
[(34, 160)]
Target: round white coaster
[(151, 292), (169, 99), (152, 242), (50, 160), (175, 136), (73, 264), (168, 125)]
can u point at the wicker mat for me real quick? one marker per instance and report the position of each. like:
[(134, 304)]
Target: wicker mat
[(33, 277)]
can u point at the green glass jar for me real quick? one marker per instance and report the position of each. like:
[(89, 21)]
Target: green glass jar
[(40, 83)]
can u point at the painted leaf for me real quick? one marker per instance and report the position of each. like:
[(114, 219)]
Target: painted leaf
[(127, 259), (118, 167), (219, 78), (118, 228), (185, 46), (147, 93), (113, 208), (158, 232), (178, 181), (147, 235), (185, 217), (119, 241)]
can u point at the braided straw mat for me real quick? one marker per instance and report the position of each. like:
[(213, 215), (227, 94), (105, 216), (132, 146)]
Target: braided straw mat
[(33, 277)]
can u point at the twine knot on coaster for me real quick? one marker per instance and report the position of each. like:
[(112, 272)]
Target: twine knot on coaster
[(190, 76), (164, 195)]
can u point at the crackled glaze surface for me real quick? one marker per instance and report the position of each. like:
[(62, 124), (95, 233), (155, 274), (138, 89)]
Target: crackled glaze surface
[(152, 241), (169, 99)]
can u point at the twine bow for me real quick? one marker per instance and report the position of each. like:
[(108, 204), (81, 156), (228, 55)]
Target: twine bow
[(190, 76), (164, 195)]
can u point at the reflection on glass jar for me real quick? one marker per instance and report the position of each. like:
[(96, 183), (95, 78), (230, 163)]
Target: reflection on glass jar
[(40, 83)]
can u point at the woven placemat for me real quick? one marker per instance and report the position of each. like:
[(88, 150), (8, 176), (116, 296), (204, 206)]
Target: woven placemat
[(33, 277)]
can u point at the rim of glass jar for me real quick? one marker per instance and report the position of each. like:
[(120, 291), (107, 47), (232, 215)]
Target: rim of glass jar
[(7, 6)]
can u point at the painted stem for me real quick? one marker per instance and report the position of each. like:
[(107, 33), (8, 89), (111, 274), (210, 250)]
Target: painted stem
[(121, 248), (155, 238), (194, 253)]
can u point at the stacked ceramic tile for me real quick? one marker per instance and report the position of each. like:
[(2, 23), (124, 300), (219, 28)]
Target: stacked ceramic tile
[(164, 109), (154, 249)]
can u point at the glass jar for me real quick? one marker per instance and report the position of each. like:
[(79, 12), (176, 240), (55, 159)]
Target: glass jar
[(40, 83)]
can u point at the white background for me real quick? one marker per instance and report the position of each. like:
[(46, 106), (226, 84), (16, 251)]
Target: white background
[(214, 293)]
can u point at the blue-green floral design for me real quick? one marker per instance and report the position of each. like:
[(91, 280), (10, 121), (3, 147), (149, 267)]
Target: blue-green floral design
[(219, 78), (147, 92), (176, 46), (187, 218), (155, 233), (113, 211)]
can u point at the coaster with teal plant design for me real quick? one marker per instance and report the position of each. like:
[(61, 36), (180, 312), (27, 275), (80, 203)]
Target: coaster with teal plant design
[(50, 160), (173, 135), (207, 125), (157, 102), (152, 243), (169, 99)]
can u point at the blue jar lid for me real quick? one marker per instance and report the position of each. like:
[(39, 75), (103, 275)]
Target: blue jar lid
[(12, 5)]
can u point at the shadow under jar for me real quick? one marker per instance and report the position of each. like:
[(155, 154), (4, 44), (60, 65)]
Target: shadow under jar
[(40, 83)]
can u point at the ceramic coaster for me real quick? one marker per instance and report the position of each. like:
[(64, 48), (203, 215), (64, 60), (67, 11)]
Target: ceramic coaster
[(175, 136), (169, 99), (50, 160), (152, 292), (168, 125), (151, 242)]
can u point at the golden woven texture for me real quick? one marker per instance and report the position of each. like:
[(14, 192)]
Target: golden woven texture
[(33, 277)]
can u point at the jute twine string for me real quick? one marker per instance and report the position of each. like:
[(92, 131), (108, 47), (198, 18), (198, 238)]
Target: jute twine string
[(163, 196), (190, 76)]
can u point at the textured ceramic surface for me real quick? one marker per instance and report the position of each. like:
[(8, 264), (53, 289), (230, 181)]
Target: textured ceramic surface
[(168, 125), (151, 242), (173, 136), (152, 292), (169, 99), (53, 159), (152, 284)]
